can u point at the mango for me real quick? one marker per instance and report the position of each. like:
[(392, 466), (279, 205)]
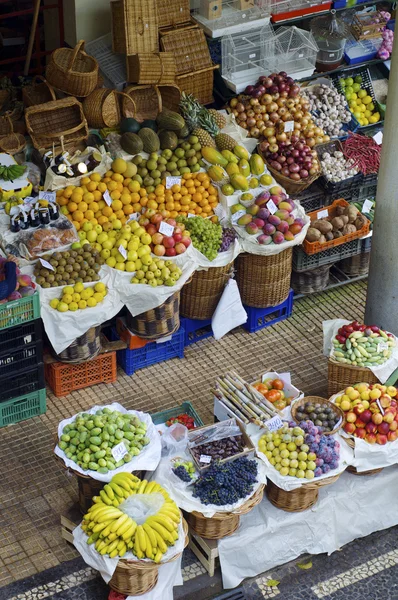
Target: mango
[(217, 173), (244, 167), (236, 208), (213, 156), (256, 164), (227, 189), (241, 152), (229, 156), (244, 220), (232, 168), (239, 182)]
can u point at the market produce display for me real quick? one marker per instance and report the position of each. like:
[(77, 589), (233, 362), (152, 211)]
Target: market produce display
[(363, 153), (235, 170), (293, 158), (226, 483), (336, 167), (24, 284), (90, 440), (114, 532), (329, 108), (185, 470), (79, 297), (174, 243), (347, 220), (69, 267), (302, 452), (218, 450), (274, 391), (206, 236), (184, 419), (11, 172), (371, 412), (157, 272), (204, 123), (362, 345), (359, 100), (323, 416)]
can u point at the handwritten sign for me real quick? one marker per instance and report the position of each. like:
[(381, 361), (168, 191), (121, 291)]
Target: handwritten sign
[(170, 181), (107, 197), (166, 229), (46, 264), (274, 424), (271, 207)]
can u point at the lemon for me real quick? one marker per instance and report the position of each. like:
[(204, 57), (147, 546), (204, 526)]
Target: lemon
[(79, 287), (91, 302), (62, 307), (67, 298), (85, 295), (82, 304), (98, 297), (90, 291), (73, 306), (354, 96), (76, 297), (68, 290), (100, 287), (54, 303), (120, 266), (119, 165), (361, 93)]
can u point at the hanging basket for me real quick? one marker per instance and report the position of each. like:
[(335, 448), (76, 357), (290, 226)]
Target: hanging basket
[(9, 118), (85, 347), (102, 108), (200, 295), (144, 102), (12, 143), (73, 71), (341, 376), (158, 322), (39, 92), (297, 500), (264, 280)]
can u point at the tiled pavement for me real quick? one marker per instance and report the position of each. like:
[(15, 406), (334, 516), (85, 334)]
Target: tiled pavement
[(35, 491)]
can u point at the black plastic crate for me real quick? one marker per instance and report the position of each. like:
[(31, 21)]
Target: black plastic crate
[(312, 198), (305, 262), (24, 358), (20, 336), (22, 382), (342, 188)]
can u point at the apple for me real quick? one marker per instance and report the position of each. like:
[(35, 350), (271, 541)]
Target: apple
[(143, 221), (172, 222), (345, 405), (383, 428), (354, 395), (358, 409), (377, 418), (392, 436), (374, 407), (394, 404), (168, 242), (361, 433), (371, 427), (157, 238), (157, 218), (349, 427), (392, 391), (177, 237), (381, 439), (351, 417), (171, 252), (98, 228), (359, 423), (385, 400), (180, 248), (393, 426), (374, 394), (149, 213), (151, 229), (366, 416), (371, 438), (186, 241), (388, 417), (365, 404), (159, 250)]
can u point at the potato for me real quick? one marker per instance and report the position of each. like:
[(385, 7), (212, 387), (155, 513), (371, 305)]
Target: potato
[(339, 211), (329, 236), (322, 239), (313, 235), (352, 212), (344, 219), (360, 222), (349, 229), (337, 234), (323, 226), (337, 223)]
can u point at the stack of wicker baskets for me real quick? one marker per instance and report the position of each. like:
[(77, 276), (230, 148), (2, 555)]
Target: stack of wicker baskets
[(158, 322), (200, 295)]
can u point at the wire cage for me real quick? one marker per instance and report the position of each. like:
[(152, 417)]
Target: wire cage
[(221, 17), (292, 50)]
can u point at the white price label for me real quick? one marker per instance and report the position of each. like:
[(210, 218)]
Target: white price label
[(380, 406), (29, 200), (119, 451), (134, 217), (191, 216), (166, 229), (378, 137), (46, 264), (205, 458), (289, 126), (219, 211), (322, 214), (367, 206), (252, 55), (272, 207), (301, 55), (164, 339), (274, 424), (236, 216), (49, 196), (123, 251), (381, 346), (170, 181), (27, 339), (106, 196)]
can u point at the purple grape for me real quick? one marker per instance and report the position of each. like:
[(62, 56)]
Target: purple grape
[(228, 237)]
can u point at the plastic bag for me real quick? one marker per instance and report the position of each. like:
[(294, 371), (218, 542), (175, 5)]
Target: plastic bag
[(219, 431), (229, 312), (57, 182), (142, 506), (174, 440)]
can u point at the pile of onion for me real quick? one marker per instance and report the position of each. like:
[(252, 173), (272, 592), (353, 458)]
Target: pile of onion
[(294, 159)]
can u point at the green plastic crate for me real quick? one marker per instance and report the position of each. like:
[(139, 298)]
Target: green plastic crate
[(22, 408), (186, 407), (19, 311)]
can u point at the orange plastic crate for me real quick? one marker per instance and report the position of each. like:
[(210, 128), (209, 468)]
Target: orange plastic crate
[(315, 247), (64, 378)]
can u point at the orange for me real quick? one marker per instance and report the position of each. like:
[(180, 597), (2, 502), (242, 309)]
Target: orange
[(83, 206), (198, 210), (109, 173), (106, 179), (95, 177), (134, 186), (206, 184), (89, 214), (102, 219), (159, 190), (174, 214), (85, 180), (76, 197), (183, 190), (201, 176), (78, 215), (200, 189), (205, 194), (68, 191), (125, 199), (184, 214), (126, 181), (175, 188), (169, 205), (69, 217), (152, 204), (203, 202), (92, 186), (128, 209), (98, 214), (88, 197), (196, 197), (62, 201), (144, 201), (115, 195), (107, 211), (211, 199), (119, 214), (94, 221), (117, 205), (136, 206), (72, 206), (177, 196), (177, 206), (207, 209), (113, 217), (101, 187), (119, 187), (117, 177), (93, 206), (101, 204), (76, 224), (135, 197), (151, 196), (97, 195), (112, 185), (84, 189), (142, 192)]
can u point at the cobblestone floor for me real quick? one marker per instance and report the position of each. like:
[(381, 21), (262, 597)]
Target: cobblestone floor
[(35, 490)]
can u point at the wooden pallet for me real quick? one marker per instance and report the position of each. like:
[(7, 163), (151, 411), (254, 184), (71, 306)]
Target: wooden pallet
[(67, 527), (205, 550)]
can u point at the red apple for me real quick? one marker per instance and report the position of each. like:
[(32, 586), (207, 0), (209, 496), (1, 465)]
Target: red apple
[(358, 409), (381, 439), (177, 237), (371, 427), (157, 238), (392, 436), (349, 427), (377, 418), (143, 221), (177, 229), (385, 401), (159, 250), (151, 229), (157, 218), (350, 417), (172, 222), (186, 241), (168, 242), (388, 417), (171, 252), (361, 433), (180, 248), (371, 438), (383, 428), (359, 423), (393, 426), (366, 416), (393, 404)]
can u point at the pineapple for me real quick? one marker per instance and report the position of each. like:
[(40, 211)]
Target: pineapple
[(190, 109), (220, 119), (204, 137), (225, 142), (207, 122)]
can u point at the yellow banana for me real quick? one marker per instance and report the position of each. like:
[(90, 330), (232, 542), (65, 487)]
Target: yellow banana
[(149, 549), (142, 486), (99, 545), (119, 522), (140, 533), (100, 526), (174, 535), (113, 545), (117, 489), (113, 554), (116, 502), (112, 513), (161, 544), (163, 533), (158, 557), (123, 551), (105, 498), (96, 499), (127, 535), (149, 487), (137, 549), (104, 550), (165, 522), (151, 534), (170, 515), (112, 536), (105, 532), (122, 482), (99, 509), (130, 545), (109, 491), (121, 546), (156, 488), (126, 525)]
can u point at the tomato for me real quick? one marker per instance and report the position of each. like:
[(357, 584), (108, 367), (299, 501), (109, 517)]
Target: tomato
[(262, 388), (280, 404), (273, 395), (277, 384)]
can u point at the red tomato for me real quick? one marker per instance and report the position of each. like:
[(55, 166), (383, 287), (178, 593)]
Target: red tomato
[(272, 395), (277, 384)]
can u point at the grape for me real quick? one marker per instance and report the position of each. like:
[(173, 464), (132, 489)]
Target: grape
[(206, 236), (228, 237), (226, 483), (182, 473)]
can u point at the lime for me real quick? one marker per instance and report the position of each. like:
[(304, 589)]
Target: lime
[(356, 87), (358, 79), (349, 81), (342, 82), (361, 93)]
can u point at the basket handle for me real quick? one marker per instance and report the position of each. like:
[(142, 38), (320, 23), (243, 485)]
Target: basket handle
[(40, 79), (8, 118), (67, 132), (130, 99), (161, 67), (78, 48)]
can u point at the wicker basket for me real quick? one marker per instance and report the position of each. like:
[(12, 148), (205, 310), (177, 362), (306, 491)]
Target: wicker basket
[(297, 500), (312, 281), (157, 322), (351, 443), (221, 525), (323, 402), (145, 102), (171, 96), (83, 348), (134, 26), (118, 27), (5, 95), (73, 71), (155, 68), (341, 376), (292, 187), (355, 265), (190, 49), (9, 118), (173, 12), (39, 92), (134, 578), (200, 295), (48, 123), (12, 143), (199, 84), (264, 280), (102, 108)]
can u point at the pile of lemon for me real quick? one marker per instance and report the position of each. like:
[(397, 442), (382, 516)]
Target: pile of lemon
[(359, 101), (78, 297)]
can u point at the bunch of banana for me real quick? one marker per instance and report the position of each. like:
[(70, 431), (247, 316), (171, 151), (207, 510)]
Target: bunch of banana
[(114, 532), (13, 201), (11, 172)]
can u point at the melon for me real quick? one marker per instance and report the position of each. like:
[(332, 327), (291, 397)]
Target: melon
[(168, 140), (150, 123), (149, 139), (131, 143), (129, 125)]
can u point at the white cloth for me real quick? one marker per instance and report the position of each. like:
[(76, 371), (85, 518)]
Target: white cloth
[(229, 312), (222, 259), (148, 459), (351, 508)]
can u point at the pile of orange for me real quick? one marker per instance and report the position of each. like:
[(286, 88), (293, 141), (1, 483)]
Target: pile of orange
[(196, 195)]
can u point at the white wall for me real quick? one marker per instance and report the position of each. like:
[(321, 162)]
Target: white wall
[(86, 20)]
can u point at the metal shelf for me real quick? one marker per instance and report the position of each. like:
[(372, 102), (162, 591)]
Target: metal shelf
[(336, 279)]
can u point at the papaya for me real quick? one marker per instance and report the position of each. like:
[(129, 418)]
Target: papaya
[(256, 164), (217, 173), (213, 156), (244, 167), (230, 156), (239, 182), (241, 152), (232, 168)]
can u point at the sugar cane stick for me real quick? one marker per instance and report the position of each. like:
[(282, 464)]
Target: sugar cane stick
[(231, 406), (241, 397), (237, 399), (257, 394), (270, 412)]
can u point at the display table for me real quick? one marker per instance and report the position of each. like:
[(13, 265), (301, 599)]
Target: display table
[(352, 508)]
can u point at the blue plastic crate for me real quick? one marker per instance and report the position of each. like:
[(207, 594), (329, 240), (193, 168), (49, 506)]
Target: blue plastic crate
[(258, 318), (152, 353), (196, 330)]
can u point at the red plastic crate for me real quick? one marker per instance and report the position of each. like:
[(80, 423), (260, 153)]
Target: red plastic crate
[(64, 378), (300, 12)]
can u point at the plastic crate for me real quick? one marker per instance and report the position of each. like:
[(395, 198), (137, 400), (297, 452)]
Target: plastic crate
[(356, 52), (20, 336), (341, 187), (366, 84), (152, 353), (24, 358), (312, 198), (344, 3), (64, 378), (196, 330), (366, 189), (112, 66), (19, 311), (22, 408), (281, 10), (258, 318), (305, 262), (22, 382), (186, 407)]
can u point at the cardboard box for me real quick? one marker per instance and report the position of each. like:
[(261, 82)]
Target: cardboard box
[(133, 341)]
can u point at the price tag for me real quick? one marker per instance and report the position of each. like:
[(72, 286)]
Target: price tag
[(170, 181), (289, 126), (49, 196), (380, 406), (123, 251), (378, 137), (191, 216), (107, 198), (166, 229), (27, 339), (119, 451), (322, 213), (46, 264), (381, 346), (367, 206), (29, 200), (274, 424), (236, 216), (164, 339), (301, 55), (134, 217), (271, 207), (252, 55), (204, 458), (219, 211)]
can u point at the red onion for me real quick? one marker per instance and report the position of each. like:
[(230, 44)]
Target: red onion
[(274, 89), (268, 82), (256, 93), (282, 87), (303, 173), (295, 153), (281, 159), (261, 88), (289, 81), (274, 155), (275, 165), (283, 74), (285, 171), (294, 91), (278, 79), (293, 168), (295, 176), (249, 89), (290, 161)]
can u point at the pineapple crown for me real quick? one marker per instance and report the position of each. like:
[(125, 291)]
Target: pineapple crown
[(196, 115), (208, 122)]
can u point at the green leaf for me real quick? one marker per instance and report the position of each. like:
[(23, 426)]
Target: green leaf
[(273, 582), (305, 566)]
